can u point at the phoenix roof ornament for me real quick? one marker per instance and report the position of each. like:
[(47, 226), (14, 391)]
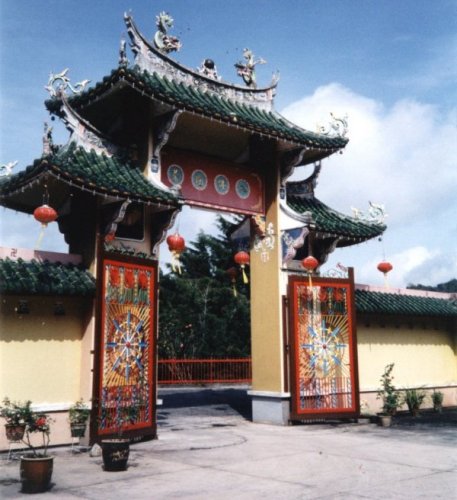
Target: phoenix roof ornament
[(247, 70), (164, 42)]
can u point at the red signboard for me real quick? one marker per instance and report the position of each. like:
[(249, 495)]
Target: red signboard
[(324, 379), (209, 182)]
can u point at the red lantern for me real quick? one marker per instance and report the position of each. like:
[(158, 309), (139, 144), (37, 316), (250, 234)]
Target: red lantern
[(232, 274), (310, 263), (385, 267), (45, 214), (176, 244), (242, 259)]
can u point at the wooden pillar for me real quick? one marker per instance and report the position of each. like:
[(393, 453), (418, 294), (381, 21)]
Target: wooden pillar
[(269, 401)]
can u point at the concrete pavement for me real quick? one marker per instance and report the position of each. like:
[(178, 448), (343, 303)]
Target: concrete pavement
[(211, 451)]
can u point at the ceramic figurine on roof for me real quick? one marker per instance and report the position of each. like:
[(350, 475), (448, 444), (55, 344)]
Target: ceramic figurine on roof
[(247, 70), (208, 68), (164, 42)]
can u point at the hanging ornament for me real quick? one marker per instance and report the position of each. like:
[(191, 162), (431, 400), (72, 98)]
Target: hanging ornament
[(385, 267), (310, 263), (242, 259), (44, 214), (232, 273), (176, 244)]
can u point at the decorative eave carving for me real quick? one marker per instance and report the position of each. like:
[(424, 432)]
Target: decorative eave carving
[(376, 213), (151, 60), (304, 188)]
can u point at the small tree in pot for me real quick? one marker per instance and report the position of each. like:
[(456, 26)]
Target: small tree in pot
[(78, 415), (16, 415), (414, 399), (389, 395), (37, 466)]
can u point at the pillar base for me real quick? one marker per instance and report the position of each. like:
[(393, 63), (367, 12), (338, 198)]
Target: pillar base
[(270, 407)]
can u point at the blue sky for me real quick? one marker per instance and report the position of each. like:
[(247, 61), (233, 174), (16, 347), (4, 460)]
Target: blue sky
[(390, 65)]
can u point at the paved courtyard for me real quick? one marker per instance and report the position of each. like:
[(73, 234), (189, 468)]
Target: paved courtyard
[(208, 449)]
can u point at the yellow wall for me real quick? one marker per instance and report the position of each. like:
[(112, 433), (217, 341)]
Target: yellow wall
[(425, 356), (40, 353)]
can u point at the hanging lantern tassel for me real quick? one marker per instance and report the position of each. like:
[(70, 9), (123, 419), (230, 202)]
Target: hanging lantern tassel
[(44, 214), (242, 259), (385, 267), (310, 263), (232, 272), (176, 245)]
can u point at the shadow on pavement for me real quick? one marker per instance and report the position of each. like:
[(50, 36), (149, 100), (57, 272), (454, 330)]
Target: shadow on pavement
[(235, 397)]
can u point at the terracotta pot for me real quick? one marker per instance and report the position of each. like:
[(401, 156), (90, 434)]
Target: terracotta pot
[(385, 420), (14, 432), (77, 430), (115, 454), (36, 473)]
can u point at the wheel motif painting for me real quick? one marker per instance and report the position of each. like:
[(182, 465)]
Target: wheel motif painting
[(326, 348), (125, 349)]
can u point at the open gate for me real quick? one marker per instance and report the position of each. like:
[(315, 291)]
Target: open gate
[(125, 369), (324, 374)]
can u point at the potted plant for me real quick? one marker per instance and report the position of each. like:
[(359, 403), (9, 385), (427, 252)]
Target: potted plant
[(78, 415), (414, 399), (37, 466), (437, 400), (16, 415), (389, 396), (116, 450)]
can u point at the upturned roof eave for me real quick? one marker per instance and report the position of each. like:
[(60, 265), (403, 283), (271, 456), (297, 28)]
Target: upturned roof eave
[(121, 76)]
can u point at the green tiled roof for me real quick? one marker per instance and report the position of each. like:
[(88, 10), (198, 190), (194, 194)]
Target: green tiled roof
[(334, 223), (44, 278), (397, 304), (91, 171), (193, 99)]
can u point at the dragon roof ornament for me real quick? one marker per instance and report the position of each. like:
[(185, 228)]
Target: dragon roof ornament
[(7, 168), (247, 70), (164, 42), (376, 213), (58, 83), (151, 58), (337, 127)]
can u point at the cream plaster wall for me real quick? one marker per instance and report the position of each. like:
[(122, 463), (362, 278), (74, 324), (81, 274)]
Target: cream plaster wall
[(40, 353)]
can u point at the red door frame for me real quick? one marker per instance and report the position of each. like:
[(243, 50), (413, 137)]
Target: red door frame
[(298, 413), (149, 427)]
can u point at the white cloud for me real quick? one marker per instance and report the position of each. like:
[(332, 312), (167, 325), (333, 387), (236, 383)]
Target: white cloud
[(403, 157)]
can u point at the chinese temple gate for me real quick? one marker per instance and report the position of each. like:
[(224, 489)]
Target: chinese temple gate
[(153, 136)]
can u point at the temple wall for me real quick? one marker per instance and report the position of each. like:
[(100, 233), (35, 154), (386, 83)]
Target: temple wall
[(425, 356), (41, 357)]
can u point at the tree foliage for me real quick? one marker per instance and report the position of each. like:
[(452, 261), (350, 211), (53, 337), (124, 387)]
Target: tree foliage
[(199, 316), (449, 287)]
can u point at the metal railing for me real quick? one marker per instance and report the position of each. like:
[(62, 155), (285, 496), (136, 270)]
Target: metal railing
[(208, 371)]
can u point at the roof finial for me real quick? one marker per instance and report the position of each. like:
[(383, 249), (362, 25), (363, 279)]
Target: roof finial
[(337, 127), (123, 61), (7, 168), (47, 139), (162, 41), (247, 70), (58, 84)]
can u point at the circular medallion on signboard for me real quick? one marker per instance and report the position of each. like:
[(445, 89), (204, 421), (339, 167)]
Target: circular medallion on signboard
[(242, 188), (175, 175), (199, 180), (221, 184)]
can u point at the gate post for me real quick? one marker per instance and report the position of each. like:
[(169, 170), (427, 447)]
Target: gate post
[(270, 403)]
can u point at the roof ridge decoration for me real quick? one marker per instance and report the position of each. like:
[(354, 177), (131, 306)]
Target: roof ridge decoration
[(82, 133), (164, 42), (155, 60), (6, 169), (376, 213)]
